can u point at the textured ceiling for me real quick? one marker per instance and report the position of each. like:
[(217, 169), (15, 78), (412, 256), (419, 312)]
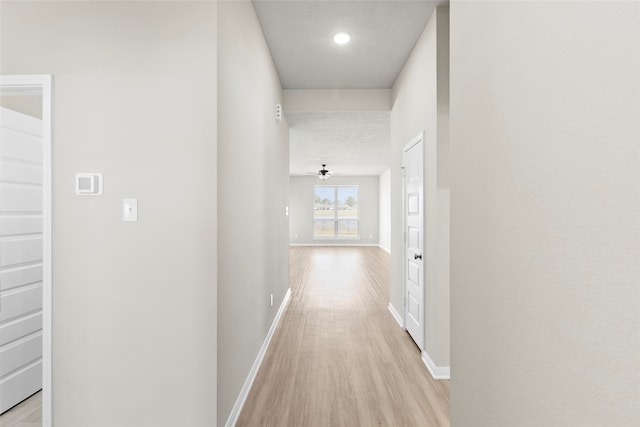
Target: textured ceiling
[(300, 37), (349, 143)]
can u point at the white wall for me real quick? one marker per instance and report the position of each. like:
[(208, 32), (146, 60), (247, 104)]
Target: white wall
[(545, 109), (253, 166), (420, 103), (384, 239), (134, 316), (301, 209)]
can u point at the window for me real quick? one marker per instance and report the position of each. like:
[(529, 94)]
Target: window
[(335, 211)]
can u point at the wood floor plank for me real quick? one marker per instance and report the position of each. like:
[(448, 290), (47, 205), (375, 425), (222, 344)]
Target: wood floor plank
[(338, 358), (25, 414)]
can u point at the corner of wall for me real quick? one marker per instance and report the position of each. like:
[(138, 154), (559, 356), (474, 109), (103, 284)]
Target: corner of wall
[(437, 372)]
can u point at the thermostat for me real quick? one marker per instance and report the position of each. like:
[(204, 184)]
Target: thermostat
[(89, 184)]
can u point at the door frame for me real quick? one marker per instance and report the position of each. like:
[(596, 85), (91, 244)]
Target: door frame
[(414, 141), (42, 84)]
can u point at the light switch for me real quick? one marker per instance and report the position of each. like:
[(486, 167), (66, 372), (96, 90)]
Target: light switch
[(130, 210)]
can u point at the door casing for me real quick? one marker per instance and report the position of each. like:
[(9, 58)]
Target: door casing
[(42, 85)]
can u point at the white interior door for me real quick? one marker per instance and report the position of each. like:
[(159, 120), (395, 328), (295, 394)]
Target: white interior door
[(413, 162), (21, 253)]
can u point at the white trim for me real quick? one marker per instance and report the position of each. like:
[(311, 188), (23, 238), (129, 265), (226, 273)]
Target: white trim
[(246, 387), (42, 85), (384, 249), (396, 315), (333, 244), (437, 372)]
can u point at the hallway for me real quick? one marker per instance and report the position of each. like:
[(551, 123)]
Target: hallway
[(338, 358)]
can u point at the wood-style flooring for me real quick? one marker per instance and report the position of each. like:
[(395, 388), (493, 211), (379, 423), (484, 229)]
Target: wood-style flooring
[(25, 414), (338, 358)]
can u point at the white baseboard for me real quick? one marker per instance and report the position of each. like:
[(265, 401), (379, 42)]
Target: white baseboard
[(246, 387), (385, 249), (344, 243), (437, 372), (396, 315)]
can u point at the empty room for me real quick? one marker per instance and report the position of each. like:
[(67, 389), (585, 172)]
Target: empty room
[(319, 213)]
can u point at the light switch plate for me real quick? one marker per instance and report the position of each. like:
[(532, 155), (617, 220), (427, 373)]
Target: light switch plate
[(130, 210)]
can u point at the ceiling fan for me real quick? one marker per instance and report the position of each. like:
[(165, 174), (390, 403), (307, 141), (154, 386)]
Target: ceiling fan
[(323, 173)]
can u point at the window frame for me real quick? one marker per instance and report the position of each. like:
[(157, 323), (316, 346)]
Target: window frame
[(335, 219)]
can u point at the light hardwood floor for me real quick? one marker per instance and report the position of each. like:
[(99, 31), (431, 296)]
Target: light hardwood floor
[(338, 358), (25, 414)]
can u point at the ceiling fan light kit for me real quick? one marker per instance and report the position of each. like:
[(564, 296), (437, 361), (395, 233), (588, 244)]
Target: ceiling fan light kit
[(324, 173)]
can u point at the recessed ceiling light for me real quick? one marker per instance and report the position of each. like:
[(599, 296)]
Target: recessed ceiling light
[(342, 38)]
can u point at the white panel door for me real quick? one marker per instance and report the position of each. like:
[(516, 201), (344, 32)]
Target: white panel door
[(21, 226), (414, 236)]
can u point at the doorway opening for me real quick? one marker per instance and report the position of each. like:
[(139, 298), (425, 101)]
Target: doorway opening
[(26, 240)]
